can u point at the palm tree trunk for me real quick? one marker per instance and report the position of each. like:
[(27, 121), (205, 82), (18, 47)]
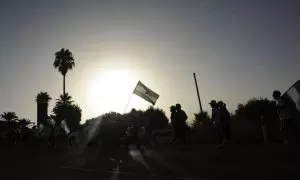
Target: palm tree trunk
[(64, 84)]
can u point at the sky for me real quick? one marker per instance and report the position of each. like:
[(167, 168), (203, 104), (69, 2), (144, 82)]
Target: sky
[(238, 49)]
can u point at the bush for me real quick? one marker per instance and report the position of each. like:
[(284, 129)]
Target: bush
[(111, 127), (201, 130), (246, 124)]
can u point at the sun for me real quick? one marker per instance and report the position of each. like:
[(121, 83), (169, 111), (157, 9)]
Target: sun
[(109, 90)]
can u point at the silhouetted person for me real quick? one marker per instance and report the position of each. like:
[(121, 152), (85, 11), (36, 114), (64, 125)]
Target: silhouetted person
[(173, 122), (215, 119), (136, 128), (142, 134), (284, 116), (181, 117), (262, 116), (225, 120), (129, 134)]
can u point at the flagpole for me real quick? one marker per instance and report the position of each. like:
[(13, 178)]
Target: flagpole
[(128, 102)]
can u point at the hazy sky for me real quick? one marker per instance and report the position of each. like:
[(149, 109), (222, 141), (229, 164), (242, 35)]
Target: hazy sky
[(239, 49)]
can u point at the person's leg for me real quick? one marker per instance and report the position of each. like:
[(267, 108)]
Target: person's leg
[(284, 130), (219, 130), (175, 136), (137, 141), (149, 138), (184, 134), (227, 132), (290, 128)]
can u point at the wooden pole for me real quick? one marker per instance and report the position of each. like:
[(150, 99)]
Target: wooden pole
[(198, 92)]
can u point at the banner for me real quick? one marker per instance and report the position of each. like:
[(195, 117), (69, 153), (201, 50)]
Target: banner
[(292, 99), (144, 92)]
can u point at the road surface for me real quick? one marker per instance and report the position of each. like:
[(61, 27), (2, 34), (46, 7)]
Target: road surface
[(164, 162)]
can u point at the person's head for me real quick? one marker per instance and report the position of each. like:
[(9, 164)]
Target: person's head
[(178, 106), (213, 103), (220, 104), (276, 95), (172, 108)]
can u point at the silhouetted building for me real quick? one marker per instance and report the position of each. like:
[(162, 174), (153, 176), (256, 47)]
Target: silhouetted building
[(42, 112), (42, 100)]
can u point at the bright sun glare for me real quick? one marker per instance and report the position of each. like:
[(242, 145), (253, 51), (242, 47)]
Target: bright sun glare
[(109, 90)]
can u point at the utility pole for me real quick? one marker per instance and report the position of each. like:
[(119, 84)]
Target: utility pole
[(198, 92)]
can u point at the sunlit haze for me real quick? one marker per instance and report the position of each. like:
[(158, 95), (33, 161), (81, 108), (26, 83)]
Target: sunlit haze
[(238, 49)]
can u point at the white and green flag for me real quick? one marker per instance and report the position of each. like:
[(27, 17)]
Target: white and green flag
[(144, 92)]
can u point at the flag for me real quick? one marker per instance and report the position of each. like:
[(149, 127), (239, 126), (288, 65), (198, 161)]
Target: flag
[(144, 92), (292, 101)]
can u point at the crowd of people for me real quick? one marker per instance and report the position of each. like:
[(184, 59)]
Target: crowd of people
[(138, 133), (221, 122)]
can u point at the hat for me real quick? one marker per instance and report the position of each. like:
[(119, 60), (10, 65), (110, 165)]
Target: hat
[(213, 102)]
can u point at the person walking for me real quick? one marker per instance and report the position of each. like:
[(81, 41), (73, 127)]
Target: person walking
[(284, 116), (136, 128), (128, 135), (215, 120), (225, 121), (173, 122), (181, 126)]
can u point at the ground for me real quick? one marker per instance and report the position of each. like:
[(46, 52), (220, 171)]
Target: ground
[(160, 162)]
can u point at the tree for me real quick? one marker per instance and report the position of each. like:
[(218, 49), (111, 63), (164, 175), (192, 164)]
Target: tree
[(42, 97), (155, 118), (64, 62), (24, 123), (202, 129), (201, 118), (73, 116), (61, 107), (64, 99), (66, 110), (22, 128), (9, 116), (252, 110), (246, 124)]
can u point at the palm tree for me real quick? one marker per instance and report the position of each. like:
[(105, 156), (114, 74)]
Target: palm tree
[(9, 116), (23, 123), (42, 97), (64, 61), (64, 99)]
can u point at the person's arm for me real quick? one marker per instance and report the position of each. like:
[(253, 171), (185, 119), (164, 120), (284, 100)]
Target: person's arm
[(185, 116), (280, 104), (213, 114)]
